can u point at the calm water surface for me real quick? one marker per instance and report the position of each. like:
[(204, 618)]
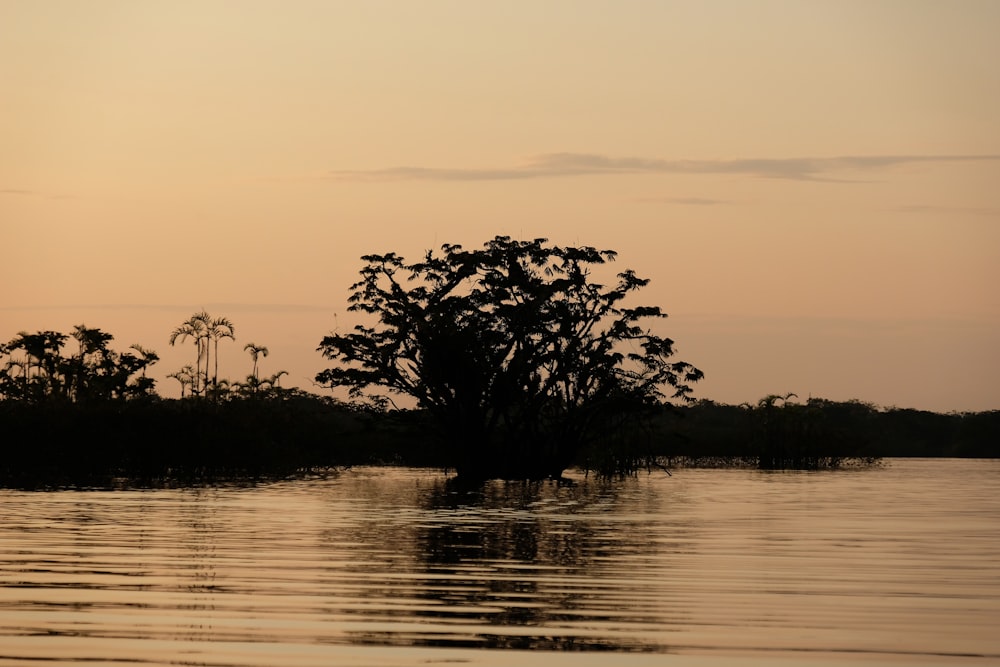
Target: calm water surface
[(389, 566)]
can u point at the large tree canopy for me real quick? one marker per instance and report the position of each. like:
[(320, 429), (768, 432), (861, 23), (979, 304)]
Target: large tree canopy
[(516, 354)]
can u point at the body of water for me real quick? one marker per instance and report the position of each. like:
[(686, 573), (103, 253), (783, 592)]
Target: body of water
[(393, 566)]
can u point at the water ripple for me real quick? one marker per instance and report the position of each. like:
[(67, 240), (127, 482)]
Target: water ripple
[(901, 563)]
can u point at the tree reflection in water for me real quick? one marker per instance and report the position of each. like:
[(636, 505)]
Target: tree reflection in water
[(522, 565)]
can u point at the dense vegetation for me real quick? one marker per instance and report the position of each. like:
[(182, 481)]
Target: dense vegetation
[(289, 432), (155, 441), (779, 432), (521, 364)]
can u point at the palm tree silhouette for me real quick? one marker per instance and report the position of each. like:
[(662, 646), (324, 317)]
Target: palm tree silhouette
[(267, 385), (24, 364), (255, 352), (275, 380), (149, 357), (92, 341), (93, 354), (203, 322), (186, 376), (42, 352), (21, 364), (193, 328), (206, 332), (220, 327)]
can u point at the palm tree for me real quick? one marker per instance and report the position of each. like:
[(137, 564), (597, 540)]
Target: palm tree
[(268, 385), (12, 386), (21, 364), (90, 362), (42, 351), (203, 321), (92, 341), (149, 357), (186, 376), (275, 380), (193, 328), (251, 386), (218, 328), (255, 352)]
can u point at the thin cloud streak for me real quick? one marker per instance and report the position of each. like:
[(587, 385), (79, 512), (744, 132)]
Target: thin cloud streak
[(22, 192), (555, 165), (729, 321), (685, 201), (229, 307), (965, 210)]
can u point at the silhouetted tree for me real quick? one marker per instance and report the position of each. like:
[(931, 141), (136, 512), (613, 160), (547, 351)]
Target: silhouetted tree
[(519, 357), (93, 353), (149, 357), (275, 380), (193, 328), (94, 373), (216, 328), (205, 331), (41, 377), (186, 376), (255, 351)]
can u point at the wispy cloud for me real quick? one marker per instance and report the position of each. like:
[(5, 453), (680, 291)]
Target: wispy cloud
[(685, 201), (232, 307), (554, 165), (964, 210), (24, 192)]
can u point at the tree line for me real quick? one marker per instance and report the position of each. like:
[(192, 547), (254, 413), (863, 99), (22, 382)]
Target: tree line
[(524, 358), (37, 367)]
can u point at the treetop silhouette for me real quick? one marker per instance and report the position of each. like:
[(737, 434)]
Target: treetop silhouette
[(518, 356), (37, 370)]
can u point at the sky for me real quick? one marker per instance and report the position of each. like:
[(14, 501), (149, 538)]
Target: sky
[(812, 187)]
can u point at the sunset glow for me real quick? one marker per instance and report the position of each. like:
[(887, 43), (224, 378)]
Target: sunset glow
[(812, 187)]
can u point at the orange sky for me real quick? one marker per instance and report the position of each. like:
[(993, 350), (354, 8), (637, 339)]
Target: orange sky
[(811, 186)]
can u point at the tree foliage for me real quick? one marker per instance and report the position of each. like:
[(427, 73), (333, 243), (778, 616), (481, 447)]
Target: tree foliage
[(205, 331), (36, 368), (519, 356)]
